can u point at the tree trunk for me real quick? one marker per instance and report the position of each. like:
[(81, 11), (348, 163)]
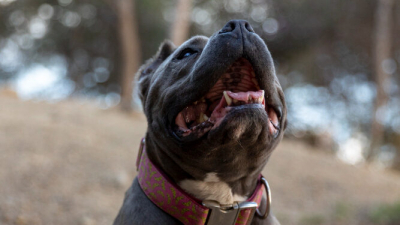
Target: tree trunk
[(383, 50), (180, 30), (130, 47)]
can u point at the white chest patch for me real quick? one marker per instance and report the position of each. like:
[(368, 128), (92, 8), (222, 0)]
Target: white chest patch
[(211, 189)]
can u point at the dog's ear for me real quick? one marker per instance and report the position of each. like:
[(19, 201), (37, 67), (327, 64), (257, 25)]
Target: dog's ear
[(146, 71)]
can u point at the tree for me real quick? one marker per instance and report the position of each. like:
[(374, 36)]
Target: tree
[(383, 51), (130, 46), (180, 30)]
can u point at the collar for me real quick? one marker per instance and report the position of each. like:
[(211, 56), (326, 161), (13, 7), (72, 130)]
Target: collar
[(176, 202)]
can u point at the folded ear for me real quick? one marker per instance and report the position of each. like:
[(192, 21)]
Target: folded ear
[(146, 71)]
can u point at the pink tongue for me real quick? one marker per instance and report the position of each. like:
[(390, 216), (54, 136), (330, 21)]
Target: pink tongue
[(244, 96)]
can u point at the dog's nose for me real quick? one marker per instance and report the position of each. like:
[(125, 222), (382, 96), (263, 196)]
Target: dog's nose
[(234, 26)]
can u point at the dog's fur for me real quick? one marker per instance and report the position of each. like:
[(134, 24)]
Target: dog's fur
[(225, 163)]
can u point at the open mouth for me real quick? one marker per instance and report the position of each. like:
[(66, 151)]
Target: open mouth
[(238, 86)]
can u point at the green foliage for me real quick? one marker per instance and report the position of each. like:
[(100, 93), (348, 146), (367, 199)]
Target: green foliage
[(342, 211), (386, 214)]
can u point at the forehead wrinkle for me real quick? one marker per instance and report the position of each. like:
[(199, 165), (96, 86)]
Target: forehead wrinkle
[(195, 42)]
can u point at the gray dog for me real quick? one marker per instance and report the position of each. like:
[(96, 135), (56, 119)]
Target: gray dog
[(215, 112)]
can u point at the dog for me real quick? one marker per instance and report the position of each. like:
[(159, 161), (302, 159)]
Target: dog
[(215, 112)]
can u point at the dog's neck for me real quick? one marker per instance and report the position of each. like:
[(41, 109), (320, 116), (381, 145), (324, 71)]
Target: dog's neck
[(212, 188), (209, 188)]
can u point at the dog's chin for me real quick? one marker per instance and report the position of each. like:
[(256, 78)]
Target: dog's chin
[(243, 124)]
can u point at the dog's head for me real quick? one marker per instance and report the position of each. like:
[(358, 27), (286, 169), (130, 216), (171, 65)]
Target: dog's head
[(214, 104)]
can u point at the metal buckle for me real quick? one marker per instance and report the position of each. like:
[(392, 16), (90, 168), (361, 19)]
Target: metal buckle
[(228, 214), (268, 206)]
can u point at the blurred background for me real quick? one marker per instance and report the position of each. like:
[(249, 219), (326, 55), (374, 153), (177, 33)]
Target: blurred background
[(70, 121)]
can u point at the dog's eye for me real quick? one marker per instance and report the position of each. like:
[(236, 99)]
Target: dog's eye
[(186, 53)]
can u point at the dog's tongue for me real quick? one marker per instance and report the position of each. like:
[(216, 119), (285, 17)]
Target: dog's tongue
[(246, 96), (233, 99)]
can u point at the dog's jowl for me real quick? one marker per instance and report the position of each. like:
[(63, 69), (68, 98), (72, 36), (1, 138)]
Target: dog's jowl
[(215, 112)]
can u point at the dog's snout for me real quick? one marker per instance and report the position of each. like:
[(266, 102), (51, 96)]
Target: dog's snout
[(237, 26)]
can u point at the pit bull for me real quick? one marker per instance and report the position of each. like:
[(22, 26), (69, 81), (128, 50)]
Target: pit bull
[(215, 112)]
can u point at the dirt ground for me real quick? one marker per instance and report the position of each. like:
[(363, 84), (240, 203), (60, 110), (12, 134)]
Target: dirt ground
[(70, 163)]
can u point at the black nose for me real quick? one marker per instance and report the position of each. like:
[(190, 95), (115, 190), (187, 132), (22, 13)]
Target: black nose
[(237, 26)]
